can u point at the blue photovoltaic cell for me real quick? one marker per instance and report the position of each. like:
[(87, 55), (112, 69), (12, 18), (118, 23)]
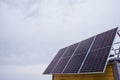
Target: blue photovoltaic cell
[(74, 64), (97, 57), (65, 58), (54, 61), (94, 63), (60, 66), (78, 57), (70, 50)]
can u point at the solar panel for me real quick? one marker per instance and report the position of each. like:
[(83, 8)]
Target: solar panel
[(65, 58), (54, 61), (78, 57), (95, 61), (70, 50), (87, 56), (97, 57)]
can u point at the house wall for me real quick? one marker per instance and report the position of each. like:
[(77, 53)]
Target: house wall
[(108, 75)]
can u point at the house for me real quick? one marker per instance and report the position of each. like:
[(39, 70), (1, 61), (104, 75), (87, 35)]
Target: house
[(96, 58)]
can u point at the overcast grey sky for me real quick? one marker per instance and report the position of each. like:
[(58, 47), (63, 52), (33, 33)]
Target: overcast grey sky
[(32, 31)]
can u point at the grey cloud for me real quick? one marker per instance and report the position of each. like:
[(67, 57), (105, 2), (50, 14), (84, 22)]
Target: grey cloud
[(28, 7), (60, 26), (13, 72), (32, 31)]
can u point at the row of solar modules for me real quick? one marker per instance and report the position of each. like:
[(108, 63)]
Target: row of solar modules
[(87, 56)]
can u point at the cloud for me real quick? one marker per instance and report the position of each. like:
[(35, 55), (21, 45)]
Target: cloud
[(36, 29), (32, 31), (22, 72)]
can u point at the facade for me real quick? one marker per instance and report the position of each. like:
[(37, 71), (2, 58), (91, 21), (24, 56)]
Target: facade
[(108, 75)]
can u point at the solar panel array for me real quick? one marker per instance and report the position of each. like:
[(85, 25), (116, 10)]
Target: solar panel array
[(87, 56)]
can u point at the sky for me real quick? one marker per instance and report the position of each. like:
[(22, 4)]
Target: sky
[(32, 31)]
